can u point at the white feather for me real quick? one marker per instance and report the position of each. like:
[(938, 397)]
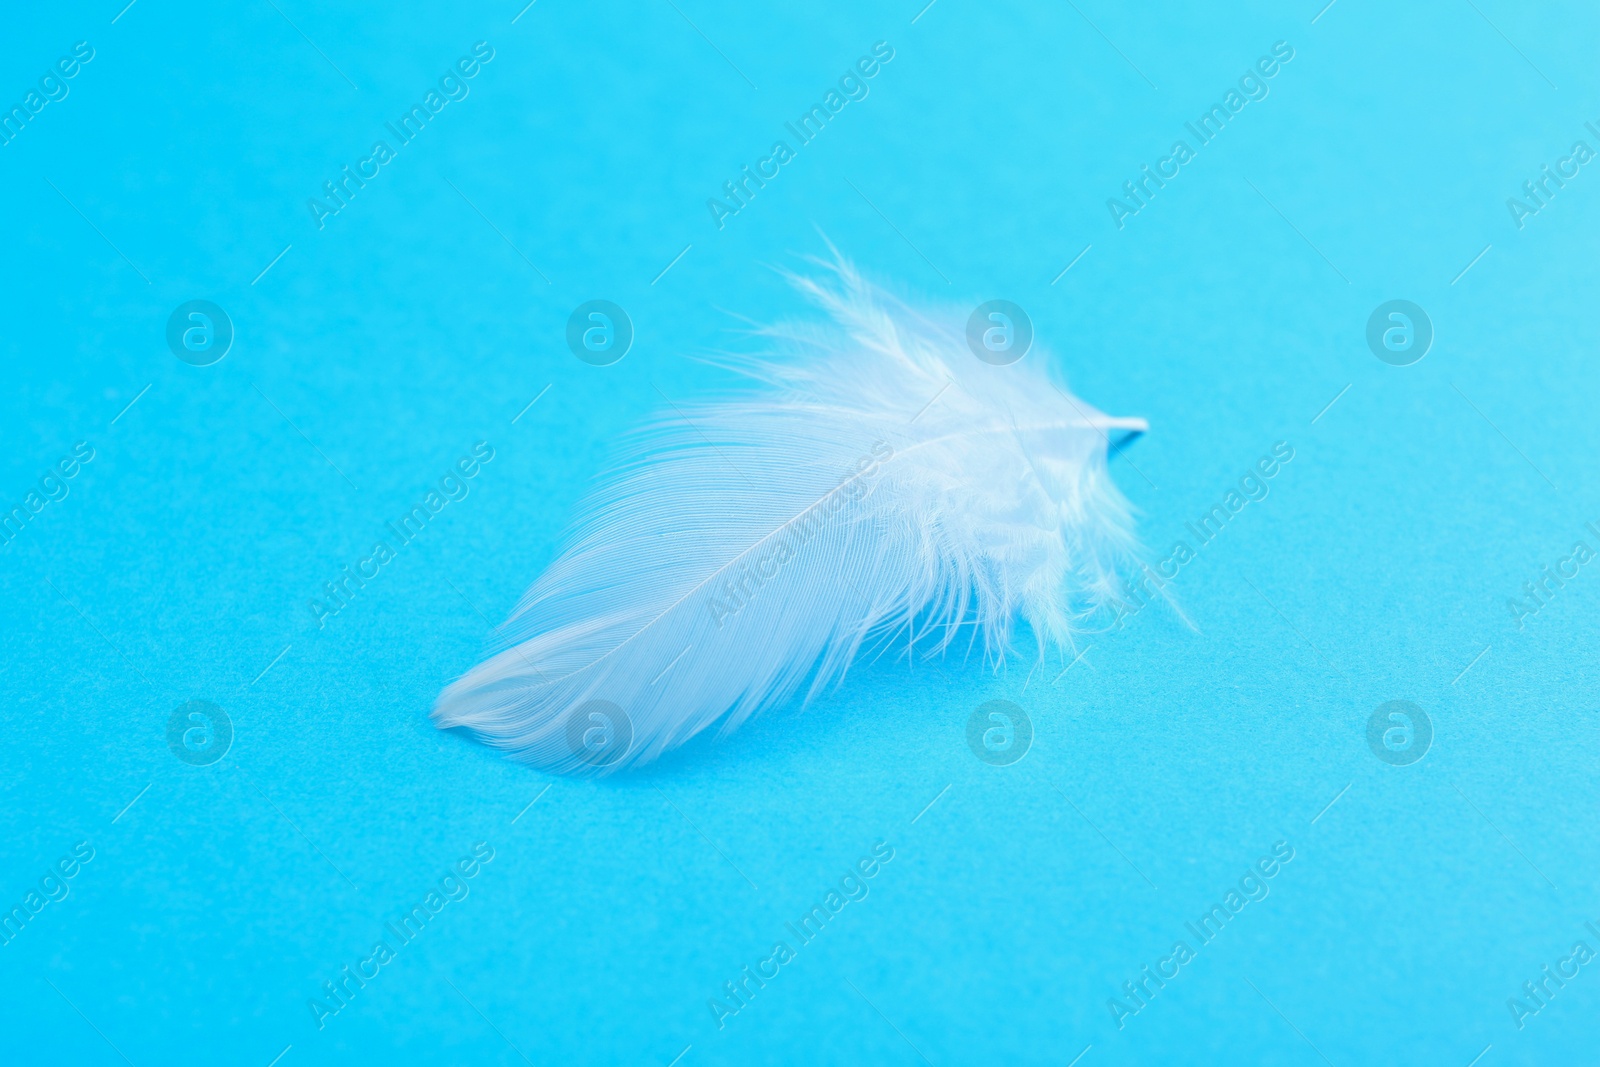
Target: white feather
[(880, 487)]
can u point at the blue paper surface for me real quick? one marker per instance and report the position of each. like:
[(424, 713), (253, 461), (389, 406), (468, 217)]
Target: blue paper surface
[(1404, 553)]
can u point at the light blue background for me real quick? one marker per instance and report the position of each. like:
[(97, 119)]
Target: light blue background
[(180, 564)]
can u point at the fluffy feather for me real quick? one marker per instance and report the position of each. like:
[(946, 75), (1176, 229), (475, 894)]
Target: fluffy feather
[(879, 486)]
